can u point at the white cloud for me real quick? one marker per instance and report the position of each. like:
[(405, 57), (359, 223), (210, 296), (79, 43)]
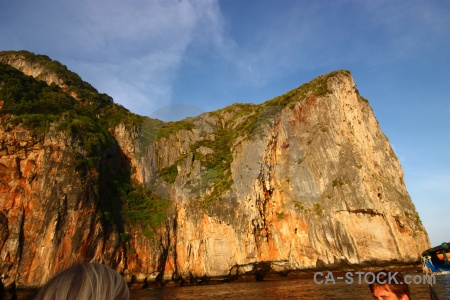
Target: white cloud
[(132, 50)]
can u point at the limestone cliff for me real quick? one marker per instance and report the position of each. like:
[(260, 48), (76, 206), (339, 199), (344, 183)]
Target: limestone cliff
[(304, 181)]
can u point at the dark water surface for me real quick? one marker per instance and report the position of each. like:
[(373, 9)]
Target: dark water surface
[(277, 289), (285, 289)]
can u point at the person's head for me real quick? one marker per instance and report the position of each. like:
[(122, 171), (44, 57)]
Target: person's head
[(85, 281), (389, 286)]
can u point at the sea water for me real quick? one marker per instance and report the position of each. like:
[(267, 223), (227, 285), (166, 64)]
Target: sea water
[(285, 289), (276, 289)]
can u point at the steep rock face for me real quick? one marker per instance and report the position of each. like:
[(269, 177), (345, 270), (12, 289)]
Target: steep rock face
[(304, 181), (49, 212), (318, 185)]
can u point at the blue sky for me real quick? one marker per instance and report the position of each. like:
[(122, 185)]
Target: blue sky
[(169, 59)]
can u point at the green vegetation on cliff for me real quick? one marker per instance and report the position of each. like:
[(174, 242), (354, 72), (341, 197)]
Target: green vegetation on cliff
[(28, 93), (145, 208), (172, 127), (87, 118), (35, 105), (233, 123), (49, 66), (33, 101)]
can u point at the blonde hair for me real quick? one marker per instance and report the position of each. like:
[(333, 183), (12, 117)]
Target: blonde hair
[(85, 282)]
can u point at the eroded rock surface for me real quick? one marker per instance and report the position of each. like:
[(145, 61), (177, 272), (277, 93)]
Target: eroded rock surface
[(305, 181)]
